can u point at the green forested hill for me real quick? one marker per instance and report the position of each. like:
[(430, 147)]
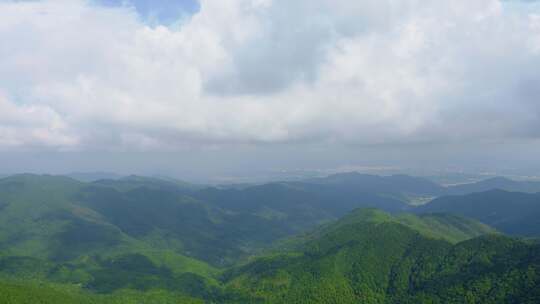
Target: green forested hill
[(62, 219), (145, 240), (32, 292), (48, 234), (441, 226), (370, 257)]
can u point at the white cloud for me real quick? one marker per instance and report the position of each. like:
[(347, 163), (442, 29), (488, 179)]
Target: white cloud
[(249, 71), (31, 125)]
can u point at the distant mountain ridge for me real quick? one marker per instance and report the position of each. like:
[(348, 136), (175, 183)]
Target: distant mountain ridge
[(93, 176), (514, 213), (500, 183), (418, 185), (386, 184)]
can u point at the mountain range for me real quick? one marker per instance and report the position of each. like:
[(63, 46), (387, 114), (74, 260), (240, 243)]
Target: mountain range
[(150, 240)]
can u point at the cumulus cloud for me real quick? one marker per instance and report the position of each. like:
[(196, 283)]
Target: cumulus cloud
[(31, 125), (76, 75)]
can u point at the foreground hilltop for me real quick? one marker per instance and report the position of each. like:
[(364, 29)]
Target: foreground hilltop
[(372, 257)]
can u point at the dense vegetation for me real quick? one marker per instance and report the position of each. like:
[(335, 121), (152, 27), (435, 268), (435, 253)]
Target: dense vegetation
[(370, 257), (147, 240), (33, 292), (60, 218)]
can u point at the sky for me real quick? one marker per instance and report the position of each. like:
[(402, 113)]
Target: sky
[(157, 12), (213, 89)]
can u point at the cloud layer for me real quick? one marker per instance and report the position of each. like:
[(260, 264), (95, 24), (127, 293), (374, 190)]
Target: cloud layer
[(75, 75)]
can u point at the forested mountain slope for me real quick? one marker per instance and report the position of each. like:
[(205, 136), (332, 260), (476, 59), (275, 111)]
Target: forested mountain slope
[(370, 257)]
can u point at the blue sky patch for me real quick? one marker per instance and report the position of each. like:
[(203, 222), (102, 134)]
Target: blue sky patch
[(158, 11)]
